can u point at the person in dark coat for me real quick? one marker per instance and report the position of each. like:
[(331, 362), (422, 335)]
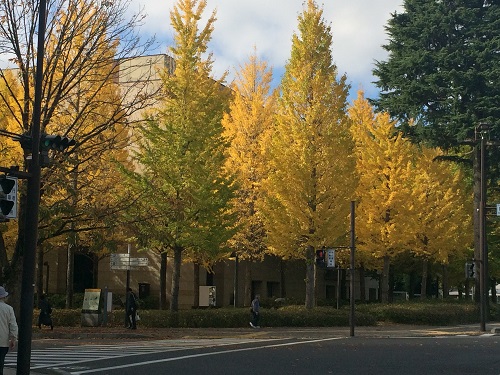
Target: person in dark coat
[(45, 311), (131, 306), (255, 312)]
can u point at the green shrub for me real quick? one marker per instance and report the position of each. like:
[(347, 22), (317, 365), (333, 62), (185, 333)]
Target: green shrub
[(406, 312), (424, 312), (58, 301)]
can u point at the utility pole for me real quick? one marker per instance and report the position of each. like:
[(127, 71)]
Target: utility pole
[(482, 131), (32, 204)]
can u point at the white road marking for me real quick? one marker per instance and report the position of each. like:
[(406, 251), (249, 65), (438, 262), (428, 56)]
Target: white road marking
[(203, 355)]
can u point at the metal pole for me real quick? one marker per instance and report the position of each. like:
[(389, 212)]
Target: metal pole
[(105, 309), (32, 205), (236, 281), (338, 287), (127, 323), (351, 314), (482, 235)]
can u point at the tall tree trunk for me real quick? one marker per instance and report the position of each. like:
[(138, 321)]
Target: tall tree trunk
[(467, 288), (446, 285), (14, 277), (310, 261), (425, 273), (95, 268), (282, 278), (39, 274), (70, 273), (163, 280), (176, 276), (3, 259), (316, 287), (362, 283), (384, 280), (72, 243), (196, 285), (493, 283), (248, 284)]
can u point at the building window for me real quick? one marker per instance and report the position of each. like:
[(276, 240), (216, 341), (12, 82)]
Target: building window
[(273, 289)]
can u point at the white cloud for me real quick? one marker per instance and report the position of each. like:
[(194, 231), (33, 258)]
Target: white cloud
[(357, 30)]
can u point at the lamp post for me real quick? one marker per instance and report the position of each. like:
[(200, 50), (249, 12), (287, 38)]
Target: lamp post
[(482, 131)]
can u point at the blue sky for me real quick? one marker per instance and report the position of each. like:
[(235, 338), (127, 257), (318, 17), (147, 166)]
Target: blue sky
[(357, 30)]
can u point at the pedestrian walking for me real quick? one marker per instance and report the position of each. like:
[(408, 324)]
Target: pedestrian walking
[(255, 309), (131, 306), (8, 328), (45, 317)]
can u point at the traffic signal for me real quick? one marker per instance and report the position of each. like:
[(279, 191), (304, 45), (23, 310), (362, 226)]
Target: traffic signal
[(320, 257), (470, 271), (55, 142), (52, 142), (8, 196)]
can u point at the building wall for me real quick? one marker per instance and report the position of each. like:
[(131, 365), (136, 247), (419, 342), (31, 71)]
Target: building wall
[(271, 278)]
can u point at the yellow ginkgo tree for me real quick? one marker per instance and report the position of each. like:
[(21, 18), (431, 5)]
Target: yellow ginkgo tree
[(440, 211), (247, 126), (384, 166), (312, 178)]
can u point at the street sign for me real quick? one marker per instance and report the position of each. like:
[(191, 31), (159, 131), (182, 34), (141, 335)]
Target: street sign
[(141, 262), (330, 258), (125, 262), (124, 268), (120, 256)]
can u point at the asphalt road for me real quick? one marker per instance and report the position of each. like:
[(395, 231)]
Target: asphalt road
[(383, 350), (443, 355)]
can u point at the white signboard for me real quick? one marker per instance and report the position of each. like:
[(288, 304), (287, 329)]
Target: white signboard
[(125, 262), (330, 258), (141, 262)]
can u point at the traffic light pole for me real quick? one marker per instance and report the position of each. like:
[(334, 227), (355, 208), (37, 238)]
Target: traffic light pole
[(32, 206)]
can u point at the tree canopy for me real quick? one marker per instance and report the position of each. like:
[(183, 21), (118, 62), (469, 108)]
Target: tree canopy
[(312, 176), (442, 69)]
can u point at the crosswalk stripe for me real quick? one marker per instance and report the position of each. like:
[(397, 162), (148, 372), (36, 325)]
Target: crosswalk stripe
[(68, 355)]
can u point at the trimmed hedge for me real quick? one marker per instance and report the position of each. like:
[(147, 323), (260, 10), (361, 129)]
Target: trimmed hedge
[(426, 312), (419, 313)]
